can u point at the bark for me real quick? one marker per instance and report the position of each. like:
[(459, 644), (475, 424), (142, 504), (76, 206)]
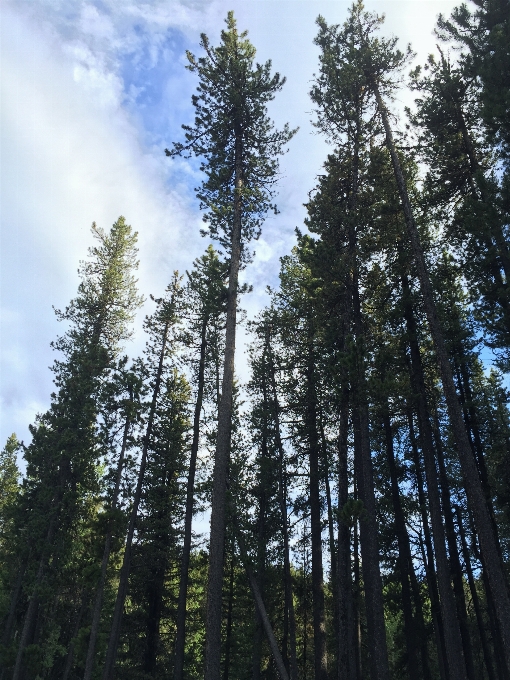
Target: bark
[(113, 642), (357, 598), (221, 458), (228, 632), (404, 556), (259, 602), (452, 635), (98, 603), (180, 636), (487, 655), (346, 667), (261, 527), (319, 616), (428, 558), (455, 568), (267, 625), (363, 459), (282, 498), (376, 630), (491, 610), (474, 491)]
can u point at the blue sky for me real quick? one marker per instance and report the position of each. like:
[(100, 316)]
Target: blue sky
[(91, 94)]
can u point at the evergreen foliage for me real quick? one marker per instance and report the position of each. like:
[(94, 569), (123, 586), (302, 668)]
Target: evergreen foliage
[(359, 480)]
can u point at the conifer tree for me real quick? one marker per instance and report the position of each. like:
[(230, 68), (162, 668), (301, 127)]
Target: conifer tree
[(62, 457), (205, 296), (240, 147)]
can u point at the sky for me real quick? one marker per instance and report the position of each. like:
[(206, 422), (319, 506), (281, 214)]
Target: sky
[(91, 93)]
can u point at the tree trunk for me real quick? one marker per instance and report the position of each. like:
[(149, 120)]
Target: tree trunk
[(180, 637), (346, 666), (453, 551), (487, 656), (319, 616), (404, 557), (376, 629), (452, 635), (221, 458), (428, 557), (230, 605), (96, 616), (475, 495), (111, 653), (282, 498)]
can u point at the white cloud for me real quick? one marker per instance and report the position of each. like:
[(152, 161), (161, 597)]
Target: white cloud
[(76, 146), (69, 155)]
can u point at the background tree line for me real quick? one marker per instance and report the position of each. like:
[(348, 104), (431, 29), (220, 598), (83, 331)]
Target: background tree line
[(359, 482)]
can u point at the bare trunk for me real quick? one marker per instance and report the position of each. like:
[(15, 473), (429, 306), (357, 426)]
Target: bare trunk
[(113, 642), (319, 616), (428, 558), (346, 667), (230, 606), (259, 602), (282, 498), (376, 629), (452, 634), (487, 656), (404, 555), (180, 636), (453, 551), (221, 459), (475, 495)]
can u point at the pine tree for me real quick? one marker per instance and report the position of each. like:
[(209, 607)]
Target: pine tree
[(62, 458), (236, 139)]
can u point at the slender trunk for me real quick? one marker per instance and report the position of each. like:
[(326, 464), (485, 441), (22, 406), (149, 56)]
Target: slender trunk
[(180, 636), (428, 557), (261, 527), (221, 458), (267, 625), (331, 527), (346, 667), (497, 642), (474, 491), (455, 568), (282, 498), (259, 602), (156, 590), (113, 642), (452, 635), (319, 616), (230, 606), (404, 556), (487, 656), (364, 473), (357, 597), (96, 616)]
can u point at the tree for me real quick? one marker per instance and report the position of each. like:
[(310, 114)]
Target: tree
[(236, 139), (62, 471)]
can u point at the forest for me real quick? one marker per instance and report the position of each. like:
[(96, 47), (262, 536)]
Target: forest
[(358, 481)]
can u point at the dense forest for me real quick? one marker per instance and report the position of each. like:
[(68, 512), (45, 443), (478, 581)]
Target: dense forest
[(358, 482)]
